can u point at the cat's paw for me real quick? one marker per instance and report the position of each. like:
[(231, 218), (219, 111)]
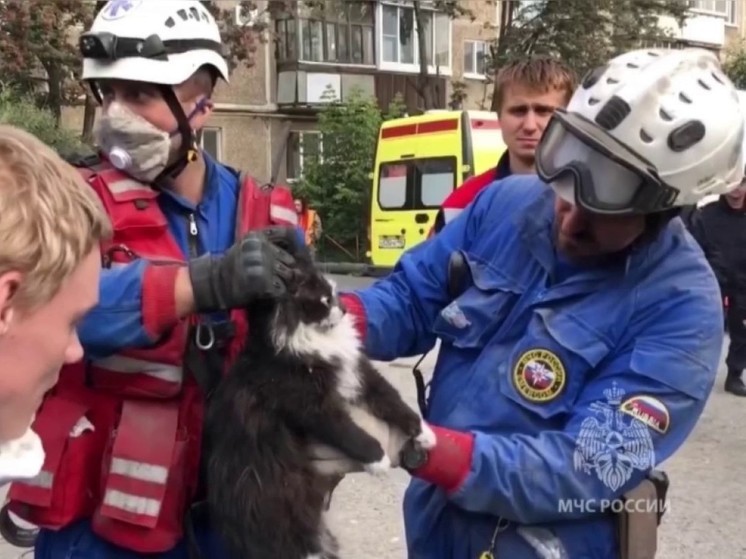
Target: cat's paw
[(379, 468), (426, 439)]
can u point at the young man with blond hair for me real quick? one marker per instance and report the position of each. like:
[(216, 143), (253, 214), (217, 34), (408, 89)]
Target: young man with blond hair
[(528, 91), (50, 224)]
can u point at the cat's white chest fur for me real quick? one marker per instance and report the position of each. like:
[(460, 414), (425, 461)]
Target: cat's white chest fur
[(335, 341)]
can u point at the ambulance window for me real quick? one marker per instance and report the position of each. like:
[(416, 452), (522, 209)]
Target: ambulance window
[(392, 186), (436, 179)]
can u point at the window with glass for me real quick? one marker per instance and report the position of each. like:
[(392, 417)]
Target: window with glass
[(398, 36), (475, 58), (302, 147), (340, 38), (725, 8), (663, 44), (210, 141), (416, 184)]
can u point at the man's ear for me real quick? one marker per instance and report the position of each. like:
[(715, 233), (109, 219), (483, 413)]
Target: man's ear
[(202, 113), (9, 284), (206, 106)]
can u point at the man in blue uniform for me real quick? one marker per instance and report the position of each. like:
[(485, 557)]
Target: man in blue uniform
[(582, 349), (720, 229)]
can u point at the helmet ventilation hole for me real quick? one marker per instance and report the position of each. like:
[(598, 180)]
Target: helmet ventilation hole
[(718, 78), (665, 115), (632, 65), (614, 111), (703, 84), (686, 135), (592, 101), (645, 137), (683, 98), (193, 13), (592, 76), (612, 81)]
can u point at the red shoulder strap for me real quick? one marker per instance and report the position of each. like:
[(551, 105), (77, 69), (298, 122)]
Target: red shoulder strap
[(112, 184), (133, 210), (464, 194), (262, 206), (462, 197)]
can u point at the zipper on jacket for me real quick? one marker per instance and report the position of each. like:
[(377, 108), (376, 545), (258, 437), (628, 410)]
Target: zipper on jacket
[(193, 239), (200, 326)]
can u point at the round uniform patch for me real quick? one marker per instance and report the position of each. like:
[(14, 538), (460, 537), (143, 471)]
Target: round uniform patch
[(539, 375)]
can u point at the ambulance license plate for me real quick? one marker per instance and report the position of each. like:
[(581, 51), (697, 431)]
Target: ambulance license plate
[(391, 241)]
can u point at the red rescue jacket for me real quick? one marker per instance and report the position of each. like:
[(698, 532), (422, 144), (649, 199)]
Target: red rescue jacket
[(122, 434)]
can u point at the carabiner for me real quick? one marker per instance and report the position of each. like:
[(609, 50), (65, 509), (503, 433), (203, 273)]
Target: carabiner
[(204, 346)]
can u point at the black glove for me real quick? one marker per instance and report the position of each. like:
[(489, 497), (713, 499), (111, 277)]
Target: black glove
[(256, 267)]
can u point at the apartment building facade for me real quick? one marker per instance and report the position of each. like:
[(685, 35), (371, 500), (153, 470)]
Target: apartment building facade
[(373, 46), (712, 24), (267, 115)]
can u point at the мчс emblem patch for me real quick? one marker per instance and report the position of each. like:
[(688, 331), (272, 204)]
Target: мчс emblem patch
[(539, 375), (649, 410)]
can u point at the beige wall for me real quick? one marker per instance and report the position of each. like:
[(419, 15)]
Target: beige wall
[(732, 36), (245, 142), (72, 118), (484, 28), (280, 128), (249, 86)]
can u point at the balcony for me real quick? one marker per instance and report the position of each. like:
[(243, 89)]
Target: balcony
[(319, 52), (311, 38), (698, 30), (305, 91)]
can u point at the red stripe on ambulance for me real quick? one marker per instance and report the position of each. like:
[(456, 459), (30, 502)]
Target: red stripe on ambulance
[(421, 128)]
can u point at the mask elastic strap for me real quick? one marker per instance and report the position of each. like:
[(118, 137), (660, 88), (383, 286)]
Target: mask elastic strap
[(187, 153)]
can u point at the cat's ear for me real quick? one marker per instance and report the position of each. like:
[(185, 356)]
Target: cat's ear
[(294, 282), (332, 283)]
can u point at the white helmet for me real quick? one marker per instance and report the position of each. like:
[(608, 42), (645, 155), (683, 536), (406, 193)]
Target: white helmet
[(742, 99), (651, 130), (153, 41)]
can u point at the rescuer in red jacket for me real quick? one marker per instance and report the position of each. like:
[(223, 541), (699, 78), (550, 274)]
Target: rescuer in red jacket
[(123, 429)]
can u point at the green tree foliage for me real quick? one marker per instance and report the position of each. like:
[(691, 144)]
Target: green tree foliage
[(337, 182), (39, 49), (24, 113), (583, 33), (734, 65), (396, 109), (38, 53)]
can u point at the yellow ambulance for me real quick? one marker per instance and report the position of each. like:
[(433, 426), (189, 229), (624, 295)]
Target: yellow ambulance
[(420, 160)]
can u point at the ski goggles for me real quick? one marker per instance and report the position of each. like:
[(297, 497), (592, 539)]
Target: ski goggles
[(593, 170)]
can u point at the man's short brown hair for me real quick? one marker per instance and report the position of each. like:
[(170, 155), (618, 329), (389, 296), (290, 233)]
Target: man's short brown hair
[(50, 219), (540, 74)]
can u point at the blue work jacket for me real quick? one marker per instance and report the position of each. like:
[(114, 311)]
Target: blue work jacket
[(575, 382)]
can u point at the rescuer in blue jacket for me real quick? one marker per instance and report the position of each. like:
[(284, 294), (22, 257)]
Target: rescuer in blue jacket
[(583, 347)]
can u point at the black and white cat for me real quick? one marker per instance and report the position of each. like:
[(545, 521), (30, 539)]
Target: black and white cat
[(301, 368)]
